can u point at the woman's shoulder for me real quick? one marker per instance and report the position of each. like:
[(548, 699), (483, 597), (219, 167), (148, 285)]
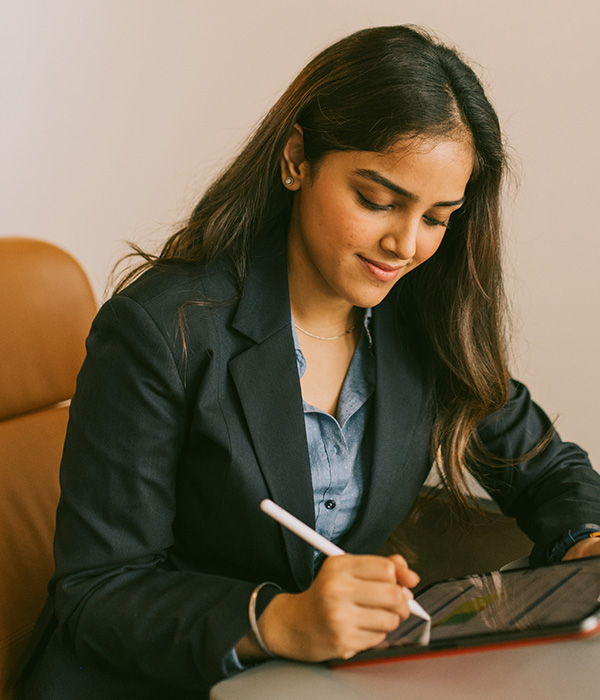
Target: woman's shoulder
[(173, 283), (174, 298)]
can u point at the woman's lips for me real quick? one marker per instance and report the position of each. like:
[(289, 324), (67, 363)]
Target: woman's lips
[(381, 271)]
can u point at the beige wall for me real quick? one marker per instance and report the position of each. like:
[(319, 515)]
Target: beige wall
[(115, 113)]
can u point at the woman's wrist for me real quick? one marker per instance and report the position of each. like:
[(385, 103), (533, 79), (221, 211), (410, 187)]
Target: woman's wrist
[(573, 542), (272, 630), (264, 647), (253, 645), (589, 547), (276, 627), (247, 649)]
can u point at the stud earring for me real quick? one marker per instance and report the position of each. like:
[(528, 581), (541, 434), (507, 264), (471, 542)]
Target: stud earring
[(289, 181)]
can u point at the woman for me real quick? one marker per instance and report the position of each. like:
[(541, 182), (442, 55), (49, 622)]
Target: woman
[(325, 327)]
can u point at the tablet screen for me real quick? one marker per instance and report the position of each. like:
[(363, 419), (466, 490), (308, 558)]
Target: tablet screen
[(524, 602)]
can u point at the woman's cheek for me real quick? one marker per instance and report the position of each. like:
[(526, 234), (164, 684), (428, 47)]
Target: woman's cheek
[(426, 250)]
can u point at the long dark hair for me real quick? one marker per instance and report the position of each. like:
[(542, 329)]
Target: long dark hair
[(364, 93)]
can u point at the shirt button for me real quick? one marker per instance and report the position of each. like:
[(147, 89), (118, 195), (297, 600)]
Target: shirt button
[(336, 449), (330, 504)]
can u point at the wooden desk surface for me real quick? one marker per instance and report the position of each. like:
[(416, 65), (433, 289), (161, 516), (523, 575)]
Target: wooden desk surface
[(554, 671)]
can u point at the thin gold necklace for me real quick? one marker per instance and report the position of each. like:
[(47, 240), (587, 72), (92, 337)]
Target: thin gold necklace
[(321, 337)]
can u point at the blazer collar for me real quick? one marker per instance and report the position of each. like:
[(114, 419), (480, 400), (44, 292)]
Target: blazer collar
[(397, 418), (267, 382), (264, 306)]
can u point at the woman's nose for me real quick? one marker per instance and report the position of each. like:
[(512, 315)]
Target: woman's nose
[(401, 239)]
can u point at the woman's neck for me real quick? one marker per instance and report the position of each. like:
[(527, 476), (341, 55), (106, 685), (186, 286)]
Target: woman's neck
[(319, 310), (321, 318)]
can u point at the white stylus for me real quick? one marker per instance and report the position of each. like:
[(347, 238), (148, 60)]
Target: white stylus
[(319, 542)]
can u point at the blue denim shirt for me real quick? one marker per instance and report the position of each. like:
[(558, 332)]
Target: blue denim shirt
[(339, 447)]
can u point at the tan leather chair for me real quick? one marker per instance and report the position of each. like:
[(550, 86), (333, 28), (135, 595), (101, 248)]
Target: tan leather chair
[(46, 308)]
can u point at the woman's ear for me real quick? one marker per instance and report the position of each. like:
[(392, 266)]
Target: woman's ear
[(294, 166)]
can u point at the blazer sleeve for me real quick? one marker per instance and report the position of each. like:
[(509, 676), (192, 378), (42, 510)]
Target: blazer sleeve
[(119, 602), (556, 490)]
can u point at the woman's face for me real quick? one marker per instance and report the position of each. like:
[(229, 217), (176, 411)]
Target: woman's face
[(366, 219)]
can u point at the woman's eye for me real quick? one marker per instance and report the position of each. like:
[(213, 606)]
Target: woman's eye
[(368, 204), (430, 221)]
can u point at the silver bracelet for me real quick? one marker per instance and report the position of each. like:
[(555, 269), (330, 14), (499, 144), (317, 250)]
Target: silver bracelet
[(252, 616)]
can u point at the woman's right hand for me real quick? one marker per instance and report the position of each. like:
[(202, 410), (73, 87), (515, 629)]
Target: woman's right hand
[(351, 605)]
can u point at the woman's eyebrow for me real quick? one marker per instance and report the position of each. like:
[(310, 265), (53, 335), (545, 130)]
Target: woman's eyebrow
[(381, 180)]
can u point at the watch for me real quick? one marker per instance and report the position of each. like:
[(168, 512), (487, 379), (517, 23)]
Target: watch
[(557, 551)]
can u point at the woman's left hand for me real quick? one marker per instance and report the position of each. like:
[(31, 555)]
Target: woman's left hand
[(589, 547)]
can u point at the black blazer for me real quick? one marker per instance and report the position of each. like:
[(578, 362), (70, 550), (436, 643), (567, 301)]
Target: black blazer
[(173, 443)]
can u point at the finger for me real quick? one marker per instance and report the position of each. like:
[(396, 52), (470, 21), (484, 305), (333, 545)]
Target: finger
[(358, 641), (379, 621), (382, 596), (379, 576), (370, 567), (405, 576)]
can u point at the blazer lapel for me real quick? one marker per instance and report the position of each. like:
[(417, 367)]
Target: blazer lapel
[(399, 397), (266, 379)]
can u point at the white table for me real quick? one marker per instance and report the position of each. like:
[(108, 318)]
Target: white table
[(555, 671)]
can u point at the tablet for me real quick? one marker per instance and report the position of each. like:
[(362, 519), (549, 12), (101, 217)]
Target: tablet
[(498, 608)]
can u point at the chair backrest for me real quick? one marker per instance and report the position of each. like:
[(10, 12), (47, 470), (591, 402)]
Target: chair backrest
[(46, 309), (441, 545)]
